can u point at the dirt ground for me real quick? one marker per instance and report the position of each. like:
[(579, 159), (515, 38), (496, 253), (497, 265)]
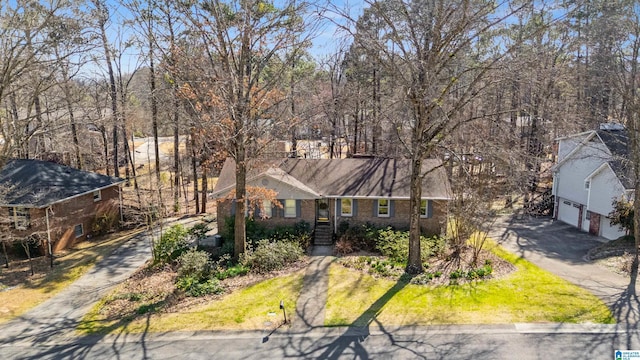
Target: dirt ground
[(616, 255)]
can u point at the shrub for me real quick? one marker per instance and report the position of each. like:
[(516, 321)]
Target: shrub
[(359, 237), (344, 247), (104, 224), (194, 287), (171, 245), (395, 245), (199, 231), (194, 263), (232, 271), (270, 256)]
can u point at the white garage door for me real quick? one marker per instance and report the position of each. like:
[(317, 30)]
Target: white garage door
[(609, 232), (568, 213)]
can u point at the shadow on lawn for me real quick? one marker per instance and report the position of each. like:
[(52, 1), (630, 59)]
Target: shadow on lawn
[(408, 343)]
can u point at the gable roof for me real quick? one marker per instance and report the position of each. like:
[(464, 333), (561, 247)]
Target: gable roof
[(36, 183), (355, 177), (617, 142)]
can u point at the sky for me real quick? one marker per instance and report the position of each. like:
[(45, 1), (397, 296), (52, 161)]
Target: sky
[(325, 41)]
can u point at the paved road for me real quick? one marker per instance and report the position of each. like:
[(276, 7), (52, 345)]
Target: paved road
[(523, 341), (562, 249)]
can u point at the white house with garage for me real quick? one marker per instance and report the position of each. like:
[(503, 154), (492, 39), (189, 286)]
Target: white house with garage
[(590, 173)]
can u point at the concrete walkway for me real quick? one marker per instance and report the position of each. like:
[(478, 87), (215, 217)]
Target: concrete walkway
[(561, 249), (56, 319), (310, 308)]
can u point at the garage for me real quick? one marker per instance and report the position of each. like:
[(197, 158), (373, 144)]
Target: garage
[(609, 232), (568, 212)]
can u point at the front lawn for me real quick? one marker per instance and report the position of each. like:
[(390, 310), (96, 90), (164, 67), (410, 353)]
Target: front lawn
[(253, 307), (529, 294)]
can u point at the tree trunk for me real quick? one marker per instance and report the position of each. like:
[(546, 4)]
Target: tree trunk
[(154, 110), (414, 263), (194, 168), (176, 155), (105, 145), (240, 233), (6, 256), (204, 189), (104, 16)]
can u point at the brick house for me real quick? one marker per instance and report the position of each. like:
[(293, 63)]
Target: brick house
[(53, 202), (326, 192)]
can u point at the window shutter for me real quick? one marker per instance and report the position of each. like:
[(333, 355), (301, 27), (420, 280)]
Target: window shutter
[(298, 208), (233, 206), (339, 202), (257, 213), (375, 207), (279, 212), (354, 207), (392, 208), (429, 208)]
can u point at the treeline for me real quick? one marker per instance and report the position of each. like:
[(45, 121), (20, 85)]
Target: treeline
[(485, 86)]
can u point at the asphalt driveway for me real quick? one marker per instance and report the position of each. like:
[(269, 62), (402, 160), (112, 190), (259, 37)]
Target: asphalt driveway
[(562, 249)]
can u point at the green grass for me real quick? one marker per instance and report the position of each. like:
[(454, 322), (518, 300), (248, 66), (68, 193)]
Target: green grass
[(243, 309), (529, 294)]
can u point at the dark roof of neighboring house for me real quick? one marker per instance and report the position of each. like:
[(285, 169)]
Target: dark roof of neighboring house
[(354, 177), (36, 183), (617, 141)]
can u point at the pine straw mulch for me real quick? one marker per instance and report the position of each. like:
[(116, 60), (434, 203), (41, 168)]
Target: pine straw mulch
[(439, 269), (152, 289)]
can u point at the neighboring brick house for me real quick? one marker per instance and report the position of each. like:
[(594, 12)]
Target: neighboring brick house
[(326, 192), (53, 202)]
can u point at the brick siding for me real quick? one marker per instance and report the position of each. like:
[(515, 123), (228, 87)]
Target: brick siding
[(64, 217), (400, 220)]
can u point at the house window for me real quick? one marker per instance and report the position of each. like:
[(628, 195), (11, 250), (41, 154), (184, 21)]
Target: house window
[(588, 216), (424, 209), (289, 208), (97, 196), (20, 218), (586, 184), (266, 209), (78, 230), (383, 208), (346, 207)]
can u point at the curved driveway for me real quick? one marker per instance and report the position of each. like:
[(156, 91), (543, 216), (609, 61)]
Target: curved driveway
[(562, 249)]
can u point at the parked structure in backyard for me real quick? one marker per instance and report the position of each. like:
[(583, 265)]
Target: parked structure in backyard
[(55, 203), (326, 192), (591, 172)]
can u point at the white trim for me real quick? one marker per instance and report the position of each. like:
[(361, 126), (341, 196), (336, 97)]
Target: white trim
[(21, 222), (426, 209), (342, 213), (388, 206), (74, 230), (575, 150), (574, 135), (295, 209), (293, 182)]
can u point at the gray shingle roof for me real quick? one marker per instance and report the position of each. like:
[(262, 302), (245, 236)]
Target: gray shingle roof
[(36, 183), (357, 177), (617, 141)]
